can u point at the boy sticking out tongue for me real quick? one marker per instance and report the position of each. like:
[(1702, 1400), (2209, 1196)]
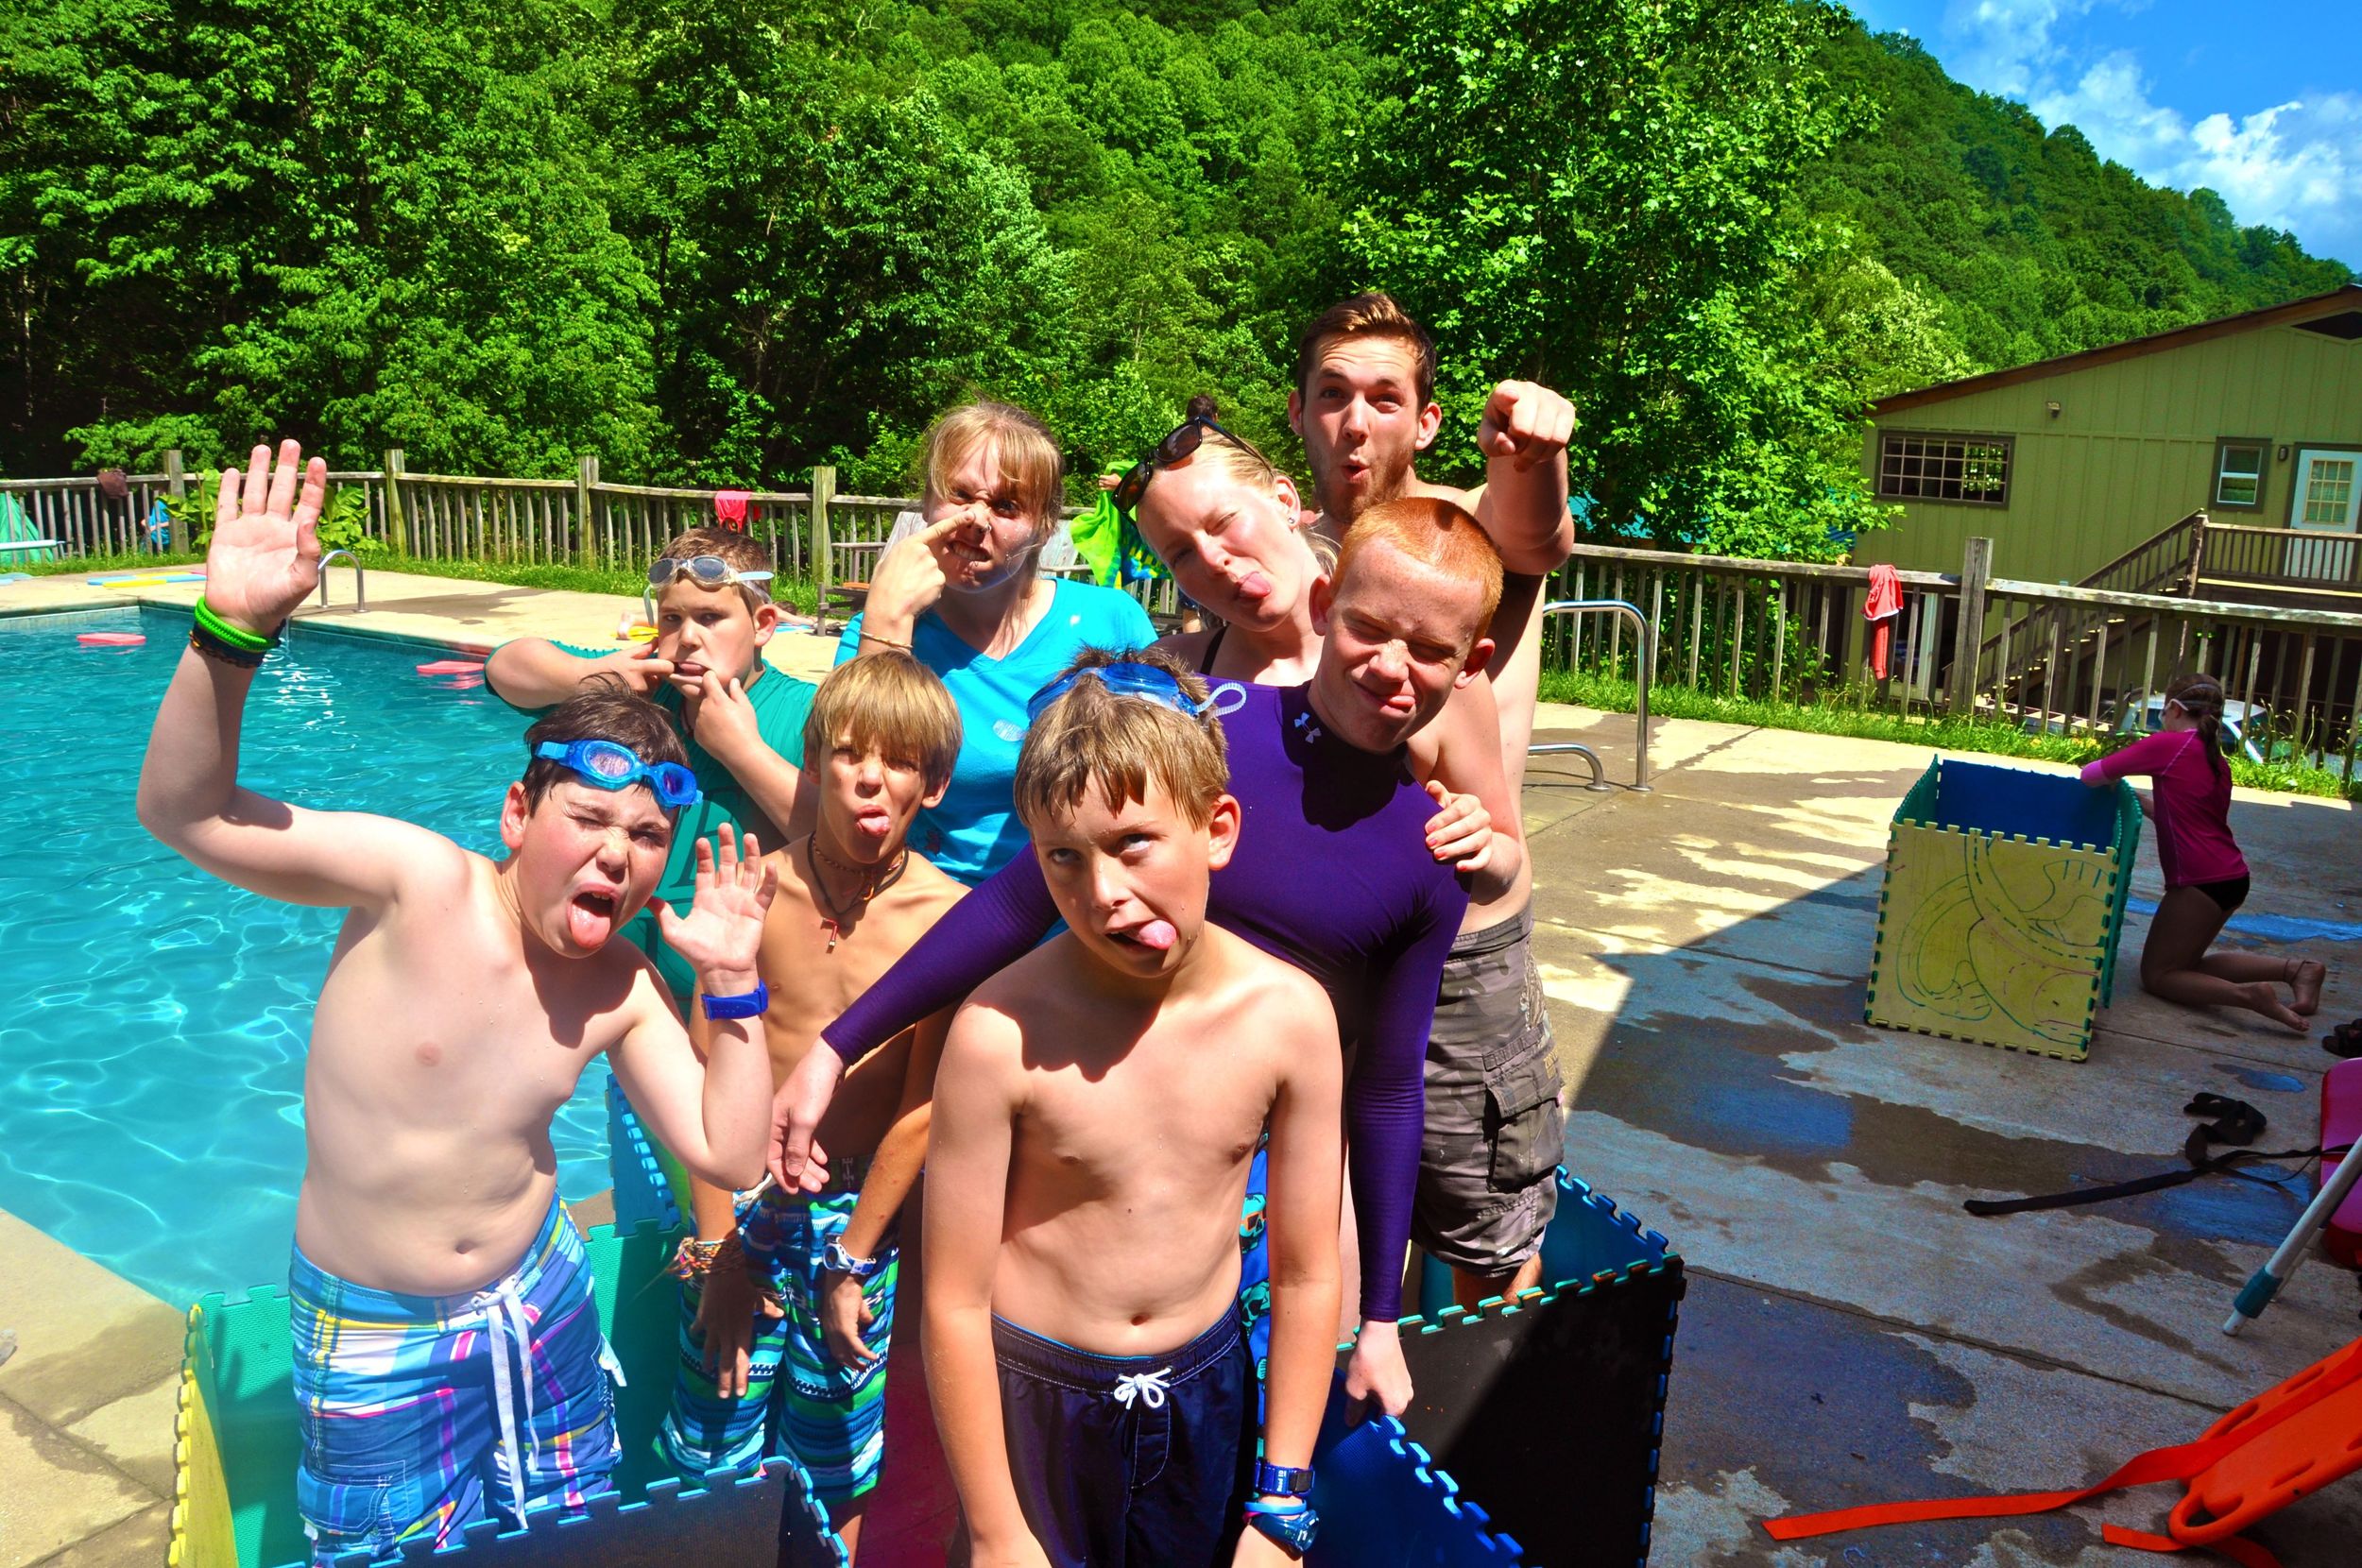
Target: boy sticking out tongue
[(1097, 1109), (446, 1351)]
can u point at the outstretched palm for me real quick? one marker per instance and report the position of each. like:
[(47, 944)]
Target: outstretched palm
[(265, 553), (722, 931)]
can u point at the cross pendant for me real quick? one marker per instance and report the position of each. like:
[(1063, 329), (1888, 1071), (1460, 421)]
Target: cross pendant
[(830, 927)]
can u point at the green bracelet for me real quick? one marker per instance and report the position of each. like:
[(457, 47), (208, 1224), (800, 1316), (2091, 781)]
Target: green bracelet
[(237, 636)]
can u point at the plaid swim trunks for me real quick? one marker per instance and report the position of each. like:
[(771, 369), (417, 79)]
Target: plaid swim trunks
[(422, 1414), (1495, 1129), (799, 1401)]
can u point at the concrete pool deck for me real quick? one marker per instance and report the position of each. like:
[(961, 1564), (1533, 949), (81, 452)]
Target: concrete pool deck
[(1850, 1335)]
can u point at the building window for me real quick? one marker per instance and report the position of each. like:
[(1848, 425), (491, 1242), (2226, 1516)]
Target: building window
[(1972, 469), (2239, 474)]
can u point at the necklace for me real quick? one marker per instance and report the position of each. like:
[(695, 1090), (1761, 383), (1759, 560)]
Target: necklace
[(833, 921)]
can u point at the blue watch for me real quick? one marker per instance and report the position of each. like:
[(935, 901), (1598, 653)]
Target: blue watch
[(1291, 1526), (1274, 1480), (746, 1004), (836, 1260)]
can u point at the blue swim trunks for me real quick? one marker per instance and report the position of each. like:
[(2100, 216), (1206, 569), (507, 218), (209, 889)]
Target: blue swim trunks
[(1135, 1462), (799, 1401), (422, 1414)]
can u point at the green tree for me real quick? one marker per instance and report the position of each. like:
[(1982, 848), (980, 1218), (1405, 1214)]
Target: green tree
[(1598, 194)]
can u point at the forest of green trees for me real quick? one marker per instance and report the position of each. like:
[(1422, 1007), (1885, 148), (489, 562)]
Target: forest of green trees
[(719, 241)]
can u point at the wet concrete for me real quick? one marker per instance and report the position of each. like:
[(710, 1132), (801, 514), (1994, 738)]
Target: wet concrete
[(1854, 1335)]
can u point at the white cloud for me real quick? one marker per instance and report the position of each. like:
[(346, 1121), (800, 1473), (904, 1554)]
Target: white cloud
[(2294, 165)]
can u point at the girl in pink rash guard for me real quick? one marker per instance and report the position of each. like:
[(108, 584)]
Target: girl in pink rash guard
[(2206, 877)]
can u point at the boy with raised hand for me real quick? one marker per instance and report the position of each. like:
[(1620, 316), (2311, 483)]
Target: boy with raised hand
[(741, 720), (446, 1351), (1097, 1110), (1365, 402), (755, 1377)]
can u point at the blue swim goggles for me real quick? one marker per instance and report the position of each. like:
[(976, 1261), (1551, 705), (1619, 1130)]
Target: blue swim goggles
[(612, 765), (1133, 680)]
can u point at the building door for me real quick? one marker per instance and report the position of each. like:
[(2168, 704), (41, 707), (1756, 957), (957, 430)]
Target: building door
[(2327, 497)]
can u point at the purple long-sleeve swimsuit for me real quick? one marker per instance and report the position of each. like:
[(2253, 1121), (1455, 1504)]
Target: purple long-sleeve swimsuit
[(1333, 874)]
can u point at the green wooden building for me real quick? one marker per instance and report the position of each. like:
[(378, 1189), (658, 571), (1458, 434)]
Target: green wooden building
[(2095, 467)]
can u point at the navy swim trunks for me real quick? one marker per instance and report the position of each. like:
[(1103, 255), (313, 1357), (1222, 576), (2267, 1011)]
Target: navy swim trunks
[(1137, 1461)]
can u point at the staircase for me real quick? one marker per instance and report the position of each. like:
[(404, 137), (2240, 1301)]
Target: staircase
[(2073, 640)]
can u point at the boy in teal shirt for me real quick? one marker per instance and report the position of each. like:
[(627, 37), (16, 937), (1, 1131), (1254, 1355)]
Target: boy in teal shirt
[(742, 722)]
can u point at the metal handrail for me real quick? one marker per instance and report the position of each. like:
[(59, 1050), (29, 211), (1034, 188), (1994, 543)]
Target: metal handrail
[(1647, 641), (360, 584)]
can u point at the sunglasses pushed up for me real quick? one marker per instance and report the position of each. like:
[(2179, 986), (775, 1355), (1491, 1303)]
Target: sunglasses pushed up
[(1186, 438)]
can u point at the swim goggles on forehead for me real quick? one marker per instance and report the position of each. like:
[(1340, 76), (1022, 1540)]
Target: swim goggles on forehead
[(1185, 438), (705, 571), (612, 765), (1131, 679)]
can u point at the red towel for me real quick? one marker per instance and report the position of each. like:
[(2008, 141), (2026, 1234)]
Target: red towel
[(1881, 609), (730, 508)]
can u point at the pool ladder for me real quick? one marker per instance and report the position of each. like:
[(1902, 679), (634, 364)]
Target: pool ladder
[(1645, 637), (360, 587)]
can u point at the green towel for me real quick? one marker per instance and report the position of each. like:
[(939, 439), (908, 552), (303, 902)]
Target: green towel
[(1110, 544)]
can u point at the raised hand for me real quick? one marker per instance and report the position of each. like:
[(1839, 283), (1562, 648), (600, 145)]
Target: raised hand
[(722, 931), (266, 552), (1525, 423), (911, 577)]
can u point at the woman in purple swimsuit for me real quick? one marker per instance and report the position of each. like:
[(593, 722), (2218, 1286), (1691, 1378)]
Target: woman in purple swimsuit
[(1335, 875)]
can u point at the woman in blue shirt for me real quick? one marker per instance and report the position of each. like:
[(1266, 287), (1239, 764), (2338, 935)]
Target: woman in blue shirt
[(964, 597)]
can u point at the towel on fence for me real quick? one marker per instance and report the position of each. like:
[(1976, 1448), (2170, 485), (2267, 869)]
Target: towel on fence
[(1882, 607), (730, 508)]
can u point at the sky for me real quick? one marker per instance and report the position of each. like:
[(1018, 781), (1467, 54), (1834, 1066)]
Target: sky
[(2260, 100)]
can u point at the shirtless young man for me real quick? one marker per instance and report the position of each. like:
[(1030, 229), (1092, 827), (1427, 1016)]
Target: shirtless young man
[(1098, 1104), (447, 1350), (755, 1376), (1364, 403)]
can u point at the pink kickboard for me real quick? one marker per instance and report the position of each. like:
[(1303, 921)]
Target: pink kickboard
[(2341, 1124), (112, 640), (452, 666)]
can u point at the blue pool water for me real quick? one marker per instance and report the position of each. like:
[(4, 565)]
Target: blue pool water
[(153, 1020)]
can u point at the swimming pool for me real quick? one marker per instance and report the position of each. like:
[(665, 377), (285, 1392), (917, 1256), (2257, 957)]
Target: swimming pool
[(153, 1020)]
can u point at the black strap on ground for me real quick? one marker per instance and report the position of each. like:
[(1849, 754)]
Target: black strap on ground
[(2235, 1122)]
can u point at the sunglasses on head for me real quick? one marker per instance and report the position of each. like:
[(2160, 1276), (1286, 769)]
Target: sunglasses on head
[(705, 571), (1186, 438)]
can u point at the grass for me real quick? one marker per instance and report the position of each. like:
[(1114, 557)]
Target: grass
[(92, 565), (1844, 715)]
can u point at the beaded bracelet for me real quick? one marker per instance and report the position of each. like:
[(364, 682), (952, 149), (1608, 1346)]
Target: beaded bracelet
[(693, 1259)]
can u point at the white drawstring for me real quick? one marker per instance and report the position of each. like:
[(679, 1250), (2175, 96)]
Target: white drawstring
[(506, 1325), (1148, 1387)]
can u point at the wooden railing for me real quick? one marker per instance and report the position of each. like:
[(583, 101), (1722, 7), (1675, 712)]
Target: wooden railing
[(2296, 561)]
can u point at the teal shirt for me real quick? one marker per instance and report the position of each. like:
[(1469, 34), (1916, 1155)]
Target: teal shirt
[(974, 832), (781, 703)]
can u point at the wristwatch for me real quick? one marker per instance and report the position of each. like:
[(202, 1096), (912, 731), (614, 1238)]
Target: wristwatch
[(1291, 1527), (1274, 1480), (836, 1260)]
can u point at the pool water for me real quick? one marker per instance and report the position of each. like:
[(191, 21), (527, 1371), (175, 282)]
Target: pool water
[(153, 1020)]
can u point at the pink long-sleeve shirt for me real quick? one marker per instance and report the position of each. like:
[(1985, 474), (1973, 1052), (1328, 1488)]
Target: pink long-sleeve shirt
[(2192, 804)]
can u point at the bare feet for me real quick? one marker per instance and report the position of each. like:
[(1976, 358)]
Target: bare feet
[(2307, 985), (2264, 998)]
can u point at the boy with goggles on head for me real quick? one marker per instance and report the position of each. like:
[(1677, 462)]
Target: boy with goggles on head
[(1097, 1109), (446, 1349), (742, 721)]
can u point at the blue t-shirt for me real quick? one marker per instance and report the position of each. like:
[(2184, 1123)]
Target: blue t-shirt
[(974, 832)]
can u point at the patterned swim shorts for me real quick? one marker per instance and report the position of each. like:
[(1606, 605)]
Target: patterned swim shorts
[(422, 1414)]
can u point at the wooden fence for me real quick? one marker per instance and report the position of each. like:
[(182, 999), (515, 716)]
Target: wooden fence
[(2050, 657)]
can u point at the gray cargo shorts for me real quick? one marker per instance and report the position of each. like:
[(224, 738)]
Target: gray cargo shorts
[(1495, 1129)]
